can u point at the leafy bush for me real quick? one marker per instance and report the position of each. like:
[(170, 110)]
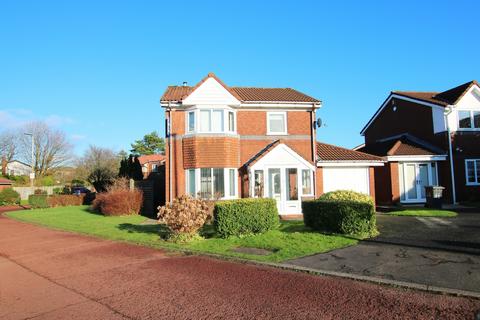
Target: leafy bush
[(58, 190), (340, 216), (19, 180), (245, 216), (346, 195), (9, 196), (38, 201), (64, 200), (184, 216), (119, 202), (47, 181)]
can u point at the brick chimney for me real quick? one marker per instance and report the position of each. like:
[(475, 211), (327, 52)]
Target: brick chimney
[(4, 166)]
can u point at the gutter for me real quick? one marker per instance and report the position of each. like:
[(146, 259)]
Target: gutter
[(170, 187), (446, 113)]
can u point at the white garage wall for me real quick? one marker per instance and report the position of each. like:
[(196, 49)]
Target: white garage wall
[(346, 178)]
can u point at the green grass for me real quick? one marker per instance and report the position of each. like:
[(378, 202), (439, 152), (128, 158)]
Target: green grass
[(24, 202), (423, 212), (291, 240)]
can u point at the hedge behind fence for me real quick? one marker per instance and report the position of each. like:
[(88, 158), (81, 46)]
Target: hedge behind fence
[(340, 216), (245, 216)]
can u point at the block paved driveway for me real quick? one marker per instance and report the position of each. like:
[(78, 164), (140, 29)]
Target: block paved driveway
[(442, 252), (47, 274)]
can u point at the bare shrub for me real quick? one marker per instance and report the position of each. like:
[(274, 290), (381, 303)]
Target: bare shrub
[(118, 202), (184, 216)]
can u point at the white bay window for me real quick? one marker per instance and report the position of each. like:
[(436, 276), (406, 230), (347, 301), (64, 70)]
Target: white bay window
[(468, 119), (212, 183), (209, 120), (472, 172)]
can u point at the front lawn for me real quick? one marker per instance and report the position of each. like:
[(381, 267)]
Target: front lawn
[(291, 240), (423, 212)]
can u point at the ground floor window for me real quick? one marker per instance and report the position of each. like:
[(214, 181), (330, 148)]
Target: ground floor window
[(212, 183), (472, 171), (307, 182), (258, 184)]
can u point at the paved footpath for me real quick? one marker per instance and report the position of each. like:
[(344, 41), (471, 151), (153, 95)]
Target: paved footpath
[(47, 274)]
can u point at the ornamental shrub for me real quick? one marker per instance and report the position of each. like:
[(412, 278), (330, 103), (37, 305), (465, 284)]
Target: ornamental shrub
[(9, 196), (38, 201), (63, 200), (340, 216), (245, 216), (184, 216), (118, 202), (347, 195)]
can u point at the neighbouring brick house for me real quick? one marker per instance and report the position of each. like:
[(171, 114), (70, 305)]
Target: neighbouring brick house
[(151, 163), (235, 142), (419, 134), (5, 183)]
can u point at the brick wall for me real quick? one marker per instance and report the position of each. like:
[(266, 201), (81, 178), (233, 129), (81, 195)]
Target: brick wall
[(210, 152)]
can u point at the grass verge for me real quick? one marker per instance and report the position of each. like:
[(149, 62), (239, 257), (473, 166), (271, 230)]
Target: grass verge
[(291, 240), (423, 212)]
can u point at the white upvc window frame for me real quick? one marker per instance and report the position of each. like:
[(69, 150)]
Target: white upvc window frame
[(476, 163), (226, 182), (311, 182), (225, 125), (284, 114), (472, 124)]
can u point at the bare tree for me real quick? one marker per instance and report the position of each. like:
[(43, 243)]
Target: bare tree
[(51, 148), (8, 145), (99, 166)]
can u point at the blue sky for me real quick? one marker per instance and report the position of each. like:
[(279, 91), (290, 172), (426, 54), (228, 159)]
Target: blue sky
[(96, 69)]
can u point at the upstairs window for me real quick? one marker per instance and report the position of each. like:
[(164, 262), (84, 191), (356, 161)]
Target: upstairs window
[(210, 121), (191, 121), (468, 119), (277, 123)]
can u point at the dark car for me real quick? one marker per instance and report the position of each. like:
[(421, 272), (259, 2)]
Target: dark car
[(80, 190)]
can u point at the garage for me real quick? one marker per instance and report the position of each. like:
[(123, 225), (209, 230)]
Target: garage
[(346, 178), (344, 169)]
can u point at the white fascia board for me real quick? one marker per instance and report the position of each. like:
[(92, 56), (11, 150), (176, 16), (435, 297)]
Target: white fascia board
[(350, 164), (417, 158), (280, 104), (396, 96)]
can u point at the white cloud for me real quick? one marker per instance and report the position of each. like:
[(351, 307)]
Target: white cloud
[(14, 118)]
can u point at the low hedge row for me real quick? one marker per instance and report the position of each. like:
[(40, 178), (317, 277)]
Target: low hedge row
[(245, 216), (340, 216), (63, 200)]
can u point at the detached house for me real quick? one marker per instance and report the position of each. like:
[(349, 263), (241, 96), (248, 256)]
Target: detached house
[(427, 138), (234, 142)]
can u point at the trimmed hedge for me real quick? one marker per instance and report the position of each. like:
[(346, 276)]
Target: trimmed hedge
[(64, 200), (38, 201), (245, 216), (9, 196), (347, 195), (340, 216)]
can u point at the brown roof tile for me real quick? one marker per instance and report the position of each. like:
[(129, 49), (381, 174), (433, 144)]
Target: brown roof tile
[(328, 152), (403, 145), (453, 95), (246, 94), (424, 96), (5, 181), (151, 158)]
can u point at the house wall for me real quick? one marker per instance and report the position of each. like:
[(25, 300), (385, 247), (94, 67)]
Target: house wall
[(390, 123), (232, 151)]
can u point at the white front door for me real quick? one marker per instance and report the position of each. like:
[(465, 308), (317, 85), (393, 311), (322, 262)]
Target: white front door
[(275, 186), (414, 177)]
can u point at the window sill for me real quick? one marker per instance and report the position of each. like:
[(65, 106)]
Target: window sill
[(277, 133), (472, 184)]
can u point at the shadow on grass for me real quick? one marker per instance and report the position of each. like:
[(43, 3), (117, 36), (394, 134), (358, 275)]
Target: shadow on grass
[(91, 211), (159, 229)]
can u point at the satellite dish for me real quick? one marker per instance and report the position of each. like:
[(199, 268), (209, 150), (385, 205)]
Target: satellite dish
[(318, 123)]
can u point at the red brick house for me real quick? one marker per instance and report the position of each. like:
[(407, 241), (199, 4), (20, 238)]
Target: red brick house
[(151, 163), (233, 142), (5, 183), (427, 138)]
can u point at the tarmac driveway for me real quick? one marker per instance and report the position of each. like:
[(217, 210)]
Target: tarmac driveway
[(441, 252)]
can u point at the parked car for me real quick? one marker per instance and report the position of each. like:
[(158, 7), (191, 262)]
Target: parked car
[(80, 190)]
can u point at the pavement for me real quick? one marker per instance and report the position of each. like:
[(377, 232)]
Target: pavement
[(440, 252), (48, 274)]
